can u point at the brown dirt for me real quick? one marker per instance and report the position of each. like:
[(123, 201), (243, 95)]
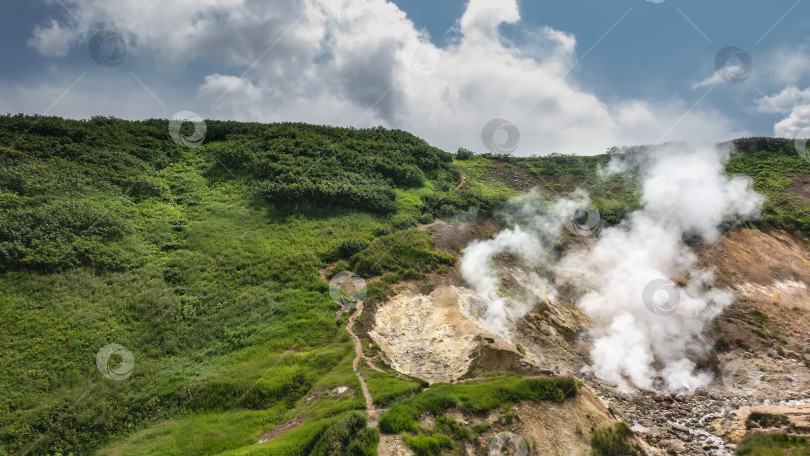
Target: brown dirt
[(768, 273), (373, 414), (801, 186), (517, 178), (452, 238)]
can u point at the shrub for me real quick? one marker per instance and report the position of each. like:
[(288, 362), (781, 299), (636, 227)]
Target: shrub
[(614, 441), (350, 247), (766, 420), (464, 154), (339, 267), (348, 437)]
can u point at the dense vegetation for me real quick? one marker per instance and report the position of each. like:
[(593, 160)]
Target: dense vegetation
[(112, 233), (615, 441), (204, 263), (761, 444)]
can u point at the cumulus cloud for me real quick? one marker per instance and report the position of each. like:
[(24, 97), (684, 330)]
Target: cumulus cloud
[(53, 39), (790, 69), (363, 63)]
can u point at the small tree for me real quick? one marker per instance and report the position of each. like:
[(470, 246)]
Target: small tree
[(464, 154)]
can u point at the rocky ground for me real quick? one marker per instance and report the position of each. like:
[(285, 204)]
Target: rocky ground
[(760, 357)]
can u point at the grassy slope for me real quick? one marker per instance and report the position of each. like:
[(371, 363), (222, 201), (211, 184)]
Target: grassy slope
[(133, 240)]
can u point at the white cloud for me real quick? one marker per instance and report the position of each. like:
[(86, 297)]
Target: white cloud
[(53, 40), (712, 80), (363, 62)]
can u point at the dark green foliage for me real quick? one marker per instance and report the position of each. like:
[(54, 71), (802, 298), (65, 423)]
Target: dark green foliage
[(475, 397), (773, 163), (349, 247), (297, 163), (424, 444), (452, 203), (348, 437), (766, 420), (614, 441), (406, 253), (464, 154), (760, 444), (339, 267)]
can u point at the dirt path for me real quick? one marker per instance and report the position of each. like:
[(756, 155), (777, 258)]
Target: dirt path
[(463, 180), (373, 414)]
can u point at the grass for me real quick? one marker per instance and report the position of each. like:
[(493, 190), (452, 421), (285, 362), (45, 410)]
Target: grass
[(112, 233), (614, 441), (386, 388), (214, 290), (477, 396), (761, 444)]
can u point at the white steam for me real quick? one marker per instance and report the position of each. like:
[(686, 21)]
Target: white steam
[(684, 192)]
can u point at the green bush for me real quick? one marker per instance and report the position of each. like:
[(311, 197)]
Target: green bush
[(614, 441), (348, 437), (464, 154), (762, 444), (349, 247), (474, 397), (766, 420), (427, 444)]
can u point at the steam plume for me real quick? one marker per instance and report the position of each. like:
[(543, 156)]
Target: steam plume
[(684, 192)]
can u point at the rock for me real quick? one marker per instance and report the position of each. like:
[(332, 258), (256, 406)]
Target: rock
[(680, 397), (701, 392), (680, 427)]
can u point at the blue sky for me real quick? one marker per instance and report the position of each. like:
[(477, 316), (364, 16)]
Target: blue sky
[(573, 77)]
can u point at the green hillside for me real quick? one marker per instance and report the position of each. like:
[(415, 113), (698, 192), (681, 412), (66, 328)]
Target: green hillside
[(205, 264)]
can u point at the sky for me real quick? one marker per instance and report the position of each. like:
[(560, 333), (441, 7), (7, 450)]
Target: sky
[(504, 76)]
